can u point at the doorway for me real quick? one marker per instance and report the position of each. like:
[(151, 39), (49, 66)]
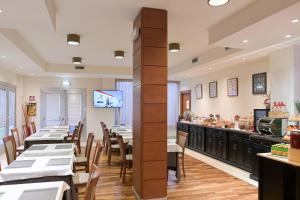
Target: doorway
[(185, 101), (61, 106)]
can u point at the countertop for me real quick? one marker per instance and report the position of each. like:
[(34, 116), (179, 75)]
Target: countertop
[(250, 133), (279, 159)]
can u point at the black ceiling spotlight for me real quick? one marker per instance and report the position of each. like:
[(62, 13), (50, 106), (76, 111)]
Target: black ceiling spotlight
[(174, 47), (217, 2), (119, 54), (73, 39), (76, 60)]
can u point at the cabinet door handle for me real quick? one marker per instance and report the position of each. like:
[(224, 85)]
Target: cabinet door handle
[(249, 150), (234, 146)]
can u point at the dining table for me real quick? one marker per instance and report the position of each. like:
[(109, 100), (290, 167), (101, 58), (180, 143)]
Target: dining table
[(43, 163), (173, 149), (46, 136), (34, 191)]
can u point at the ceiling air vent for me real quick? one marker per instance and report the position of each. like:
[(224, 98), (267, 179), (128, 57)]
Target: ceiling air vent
[(79, 67), (195, 60)]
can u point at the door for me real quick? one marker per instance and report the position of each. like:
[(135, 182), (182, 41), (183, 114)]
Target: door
[(185, 101)]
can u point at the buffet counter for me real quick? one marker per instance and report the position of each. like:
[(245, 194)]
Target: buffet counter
[(235, 147), (279, 178)]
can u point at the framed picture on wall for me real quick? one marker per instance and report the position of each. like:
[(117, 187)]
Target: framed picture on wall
[(259, 83), (232, 87), (199, 93), (213, 89)]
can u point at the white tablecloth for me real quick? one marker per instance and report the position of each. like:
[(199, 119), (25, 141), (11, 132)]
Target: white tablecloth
[(57, 127), (47, 136), (34, 191), (51, 130), (40, 167)]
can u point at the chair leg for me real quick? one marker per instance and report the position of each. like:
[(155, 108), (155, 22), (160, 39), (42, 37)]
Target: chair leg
[(87, 168), (121, 170), (124, 173), (182, 157), (109, 157), (79, 146)]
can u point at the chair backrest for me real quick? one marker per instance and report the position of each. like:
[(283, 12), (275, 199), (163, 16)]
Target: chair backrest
[(107, 137), (97, 153), (75, 133), (92, 183), (33, 128), (10, 150), (182, 136), (25, 131), (15, 133), (123, 147), (80, 128), (89, 145)]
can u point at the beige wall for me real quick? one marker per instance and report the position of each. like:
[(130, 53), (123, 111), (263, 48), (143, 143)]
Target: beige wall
[(32, 86), (224, 105)]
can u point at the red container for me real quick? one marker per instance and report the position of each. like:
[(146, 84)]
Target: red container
[(295, 140)]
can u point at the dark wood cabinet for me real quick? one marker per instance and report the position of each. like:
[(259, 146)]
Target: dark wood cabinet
[(235, 150), (210, 141), (196, 138), (221, 143)]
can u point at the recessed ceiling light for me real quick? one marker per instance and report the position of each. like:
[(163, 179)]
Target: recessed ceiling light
[(295, 20), (245, 41), (66, 83), (210, 68), (119, 54), (288, 36), (31, 74), (244, 58), (217, 2), (73, 39), (21, 67), (174, 47), (76, 60), (1, 11), (3, 56)]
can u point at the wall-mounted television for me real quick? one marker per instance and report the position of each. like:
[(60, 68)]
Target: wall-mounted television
[(107, 98)]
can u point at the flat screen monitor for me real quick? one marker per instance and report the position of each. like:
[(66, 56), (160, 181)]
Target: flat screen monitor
[(107, 98)]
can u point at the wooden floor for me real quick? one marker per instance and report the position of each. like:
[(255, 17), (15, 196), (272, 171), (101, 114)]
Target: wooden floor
[(202, 182)]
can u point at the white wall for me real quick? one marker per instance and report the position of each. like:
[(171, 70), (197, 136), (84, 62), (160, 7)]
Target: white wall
[(226, 106), (32, 86)]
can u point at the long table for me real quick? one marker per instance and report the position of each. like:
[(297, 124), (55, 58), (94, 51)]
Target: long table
[(34, 191), (42, 163), (46, 136)]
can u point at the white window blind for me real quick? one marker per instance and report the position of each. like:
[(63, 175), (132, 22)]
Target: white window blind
[(124, 114), (53, 109), (12, 109), (3, 108), (74, 108), (173, 103)]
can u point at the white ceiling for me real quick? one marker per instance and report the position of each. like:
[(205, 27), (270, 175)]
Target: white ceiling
[(105, 25)]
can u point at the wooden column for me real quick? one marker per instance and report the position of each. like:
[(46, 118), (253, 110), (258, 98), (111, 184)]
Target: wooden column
[(150, 105)]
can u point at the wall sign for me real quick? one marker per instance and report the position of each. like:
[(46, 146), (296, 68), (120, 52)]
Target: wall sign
[(199, 92), (31, 98)]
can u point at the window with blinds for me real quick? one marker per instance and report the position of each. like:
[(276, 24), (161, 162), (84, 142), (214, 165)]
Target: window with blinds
[(74, 108), (7, 109)]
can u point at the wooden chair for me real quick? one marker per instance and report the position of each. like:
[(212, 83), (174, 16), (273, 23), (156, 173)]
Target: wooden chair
[(33, 128), (84, 161), (81, 179), (126, 159), (25, 131), (181, 141), (10, 151), (19, 140), (92, 183), (113, 138), (111, 148), (77, 140)]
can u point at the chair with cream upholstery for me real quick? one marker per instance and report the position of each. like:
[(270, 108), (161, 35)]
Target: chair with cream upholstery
[(10, 151), (33, 128), (92, 183), (111, 148), (181, 141), (81, 179), (25, 131), (19, 140), (126, 159), (83, 161)]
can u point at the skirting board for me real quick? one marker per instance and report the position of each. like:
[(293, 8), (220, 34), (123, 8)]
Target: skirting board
[(229, 169), (137, 196)]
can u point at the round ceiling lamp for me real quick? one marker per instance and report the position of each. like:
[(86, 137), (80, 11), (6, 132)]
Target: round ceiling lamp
[(217, 2), (76, 60), (73, 39), (174, 47), (119, 54)]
